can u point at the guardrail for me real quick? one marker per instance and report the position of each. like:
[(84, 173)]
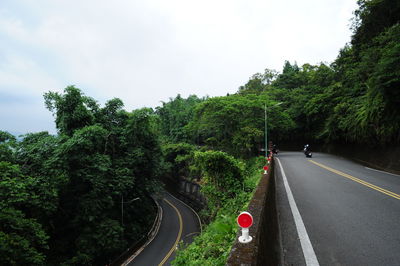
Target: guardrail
[(264, 249), (129, 254)]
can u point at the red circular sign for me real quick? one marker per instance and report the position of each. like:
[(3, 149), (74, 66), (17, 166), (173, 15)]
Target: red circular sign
[(245, 220), (266, 168)]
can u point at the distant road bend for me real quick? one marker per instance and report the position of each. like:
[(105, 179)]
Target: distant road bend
[(335, 212), (179, 222)]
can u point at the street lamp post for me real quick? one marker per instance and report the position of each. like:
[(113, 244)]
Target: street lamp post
[(265, 126), (122, 207)]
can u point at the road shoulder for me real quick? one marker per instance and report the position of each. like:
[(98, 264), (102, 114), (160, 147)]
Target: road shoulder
[(291, 252)]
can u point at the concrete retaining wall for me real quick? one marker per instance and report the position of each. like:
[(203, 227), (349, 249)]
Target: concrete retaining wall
[(191, 192), (383, 158), (264, 248)]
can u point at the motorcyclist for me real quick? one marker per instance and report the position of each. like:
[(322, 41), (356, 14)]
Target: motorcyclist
[(274, 149), (307, 148)]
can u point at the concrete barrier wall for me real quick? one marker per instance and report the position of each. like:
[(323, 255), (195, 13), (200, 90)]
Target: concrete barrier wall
[(264, 248), (190, 191), (383, 158)]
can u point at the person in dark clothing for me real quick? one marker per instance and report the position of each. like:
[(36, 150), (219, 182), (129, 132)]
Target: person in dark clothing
[(274, 149), (307, 150)]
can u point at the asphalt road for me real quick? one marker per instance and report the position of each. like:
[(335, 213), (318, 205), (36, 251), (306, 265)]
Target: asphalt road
[(179, 222), (351, 214)]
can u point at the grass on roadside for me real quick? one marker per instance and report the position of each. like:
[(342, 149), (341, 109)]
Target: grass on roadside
[(212, 247)]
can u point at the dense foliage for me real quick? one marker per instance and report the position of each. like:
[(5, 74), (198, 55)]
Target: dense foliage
[(61, 195), (235, 123), (222, 177), (74, 198), (178, 158), (212, 247), (355, 99), (174, 117)]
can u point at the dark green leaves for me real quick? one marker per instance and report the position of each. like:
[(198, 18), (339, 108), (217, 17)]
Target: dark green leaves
[(22, 238), (235, 124), (72, 109), (61, 202)]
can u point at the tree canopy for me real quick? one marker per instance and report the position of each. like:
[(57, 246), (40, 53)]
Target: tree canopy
[(65, 199), (62, 195)]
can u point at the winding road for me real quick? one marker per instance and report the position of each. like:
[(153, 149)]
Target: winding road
[(179, 223), (333, 211)]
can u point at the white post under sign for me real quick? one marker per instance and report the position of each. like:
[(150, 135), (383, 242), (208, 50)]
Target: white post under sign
[(265, 169), (245, 220)]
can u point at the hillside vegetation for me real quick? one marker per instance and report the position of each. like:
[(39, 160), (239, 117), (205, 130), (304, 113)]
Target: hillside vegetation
[(61, 196), (74, 198), (354, 100)]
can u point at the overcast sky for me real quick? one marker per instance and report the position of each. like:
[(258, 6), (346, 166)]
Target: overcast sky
[(146, 51)]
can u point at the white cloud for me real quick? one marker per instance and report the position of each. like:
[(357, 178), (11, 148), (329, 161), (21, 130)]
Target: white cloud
[(147, 51), (24, 76)]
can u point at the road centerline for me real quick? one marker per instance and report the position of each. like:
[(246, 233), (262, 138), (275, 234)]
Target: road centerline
[(179, 233), (307, 248), (360, 181)]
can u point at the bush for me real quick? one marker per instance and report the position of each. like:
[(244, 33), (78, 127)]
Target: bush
[(222, 177), (212, 247)]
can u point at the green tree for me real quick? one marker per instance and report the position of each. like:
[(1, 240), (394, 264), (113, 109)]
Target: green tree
[(222, 177), (289, 78), (178, 158), (23, 240), (372, 18), (7, 144), (258, 83), (73, 110), (143, 145), (235, 124), (175, 115), (104, 157)]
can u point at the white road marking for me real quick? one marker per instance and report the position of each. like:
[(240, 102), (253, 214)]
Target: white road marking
[(198, 217), (308, 251), (380, 171)]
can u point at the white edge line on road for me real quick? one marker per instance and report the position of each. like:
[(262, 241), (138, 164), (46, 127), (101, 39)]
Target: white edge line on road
[(308, 251), (150, 240), (155, 233), (198, 217), (380, 171)]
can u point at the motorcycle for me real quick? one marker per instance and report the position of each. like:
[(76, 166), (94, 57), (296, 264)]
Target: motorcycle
[(307, 151)]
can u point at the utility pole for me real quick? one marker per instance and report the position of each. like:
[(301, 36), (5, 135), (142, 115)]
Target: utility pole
[(265, 126)]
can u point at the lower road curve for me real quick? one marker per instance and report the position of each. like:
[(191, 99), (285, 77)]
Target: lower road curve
[(179, 222), (333, 211)]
